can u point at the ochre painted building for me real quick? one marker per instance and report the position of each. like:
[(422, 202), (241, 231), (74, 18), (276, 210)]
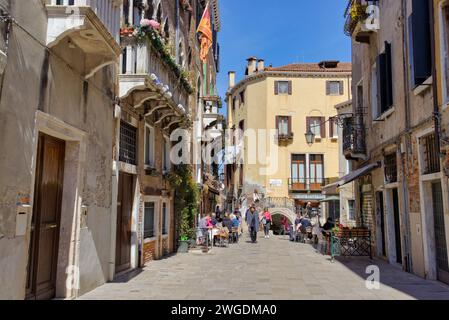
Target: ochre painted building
[(290, 99)]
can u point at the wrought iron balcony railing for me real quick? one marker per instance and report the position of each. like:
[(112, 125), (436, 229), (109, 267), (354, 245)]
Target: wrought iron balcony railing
[(354, 144), (307, 184)]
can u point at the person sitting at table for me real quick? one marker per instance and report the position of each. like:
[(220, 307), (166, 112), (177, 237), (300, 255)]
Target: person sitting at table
[(214, 220), (227, 222)]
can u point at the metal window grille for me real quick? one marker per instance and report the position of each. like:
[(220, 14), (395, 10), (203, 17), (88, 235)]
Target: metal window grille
[(391, 168), (431, 158), (128, 143)]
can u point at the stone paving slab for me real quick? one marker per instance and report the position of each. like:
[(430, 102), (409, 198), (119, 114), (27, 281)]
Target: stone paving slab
[(273, 268)]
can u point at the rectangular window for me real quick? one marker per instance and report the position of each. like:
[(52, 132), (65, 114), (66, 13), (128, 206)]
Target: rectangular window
[(298, 174), (351, 210), (385, 79), (334, 88), (333, 128), (283, 125), (128, 143), (282, 87), (419, 43), (164, 219), (317, 126), (148, 231), (431, 163), (242, 97), (391, 168), (234, 103), (149, 146), (167, 160)]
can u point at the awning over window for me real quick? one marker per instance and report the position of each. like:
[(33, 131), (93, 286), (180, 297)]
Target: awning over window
[(355, 175)]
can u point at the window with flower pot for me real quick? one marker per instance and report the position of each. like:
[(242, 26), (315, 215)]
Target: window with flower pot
[(283, 125)]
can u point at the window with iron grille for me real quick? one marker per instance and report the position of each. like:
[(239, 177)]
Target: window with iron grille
[(128, 143), (430, 155), (391, 168), (148, 228)]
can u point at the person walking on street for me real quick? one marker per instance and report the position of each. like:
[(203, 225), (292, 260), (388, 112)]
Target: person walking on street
[(252, 219), (266, 221)]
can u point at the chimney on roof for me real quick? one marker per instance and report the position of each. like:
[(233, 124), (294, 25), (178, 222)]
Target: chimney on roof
[(260, 65), (231, 78), (328, 64), (251, 66)]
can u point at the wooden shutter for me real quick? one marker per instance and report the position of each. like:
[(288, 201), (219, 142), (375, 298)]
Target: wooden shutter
[(277, 123), (307, 124), (328, 88), (331, 127), (276, 88), (290, 89), (323, 127), (420, 46), (383, 80), (388, 75), (289, 125), (342, 88)]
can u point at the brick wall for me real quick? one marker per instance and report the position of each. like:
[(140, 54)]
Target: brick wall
[(149, 251)]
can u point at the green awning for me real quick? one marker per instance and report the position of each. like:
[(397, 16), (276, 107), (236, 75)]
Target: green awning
[(331, 198)]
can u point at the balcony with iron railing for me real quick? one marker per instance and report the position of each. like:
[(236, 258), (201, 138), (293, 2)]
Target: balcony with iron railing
[(354, 144), (91, 26), (150, 73), (308, 184), (357, 15)]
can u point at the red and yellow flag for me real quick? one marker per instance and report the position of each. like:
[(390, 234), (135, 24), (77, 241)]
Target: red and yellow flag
[(205, 28)]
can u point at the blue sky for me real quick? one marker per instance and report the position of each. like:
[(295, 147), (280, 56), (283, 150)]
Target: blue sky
[(281, 32)]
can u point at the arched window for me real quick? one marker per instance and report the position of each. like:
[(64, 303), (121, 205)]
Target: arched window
[(149, 10), (159, 13), (181, 53), (167, 30)]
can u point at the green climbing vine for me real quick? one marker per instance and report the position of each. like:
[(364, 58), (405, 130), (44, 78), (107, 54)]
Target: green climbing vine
[(186, 199)]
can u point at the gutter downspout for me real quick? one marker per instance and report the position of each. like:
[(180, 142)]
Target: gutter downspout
[(407, 141), (436, 109)]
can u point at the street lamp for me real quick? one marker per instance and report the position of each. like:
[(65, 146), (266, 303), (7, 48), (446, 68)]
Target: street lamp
[(310, 136)]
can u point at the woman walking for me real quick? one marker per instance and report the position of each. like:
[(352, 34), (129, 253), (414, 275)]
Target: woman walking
[(266, 221)]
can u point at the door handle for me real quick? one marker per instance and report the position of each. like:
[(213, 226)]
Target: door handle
[(48, 226)]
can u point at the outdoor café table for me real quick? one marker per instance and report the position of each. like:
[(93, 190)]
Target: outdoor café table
[(213, 232)]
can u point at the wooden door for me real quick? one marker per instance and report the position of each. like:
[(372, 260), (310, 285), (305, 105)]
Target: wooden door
[(44, 237), (124, 214), (440, 233), (397, 226)]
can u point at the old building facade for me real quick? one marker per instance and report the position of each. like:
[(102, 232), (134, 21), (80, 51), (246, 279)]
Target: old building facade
[(282, 104), (87, 195), (56, 181), (401, 190)]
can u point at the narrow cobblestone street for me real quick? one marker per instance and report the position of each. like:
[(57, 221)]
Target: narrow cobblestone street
[(273, 268)]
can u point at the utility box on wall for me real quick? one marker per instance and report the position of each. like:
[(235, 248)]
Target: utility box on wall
[(22, 218)]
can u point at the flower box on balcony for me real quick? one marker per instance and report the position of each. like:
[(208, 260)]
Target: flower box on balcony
[(285, 137)]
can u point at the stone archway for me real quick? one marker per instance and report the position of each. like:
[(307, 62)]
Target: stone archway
[(289, 214)]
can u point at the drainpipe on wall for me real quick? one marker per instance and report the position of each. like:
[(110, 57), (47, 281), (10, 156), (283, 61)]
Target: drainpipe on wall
[(436, 109), (115, 177), (407, 141)]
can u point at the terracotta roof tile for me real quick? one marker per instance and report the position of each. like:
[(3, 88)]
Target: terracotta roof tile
[(312, 67)]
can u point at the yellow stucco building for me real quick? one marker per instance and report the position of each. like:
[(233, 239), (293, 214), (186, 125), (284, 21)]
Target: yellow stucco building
[(288, 100)]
